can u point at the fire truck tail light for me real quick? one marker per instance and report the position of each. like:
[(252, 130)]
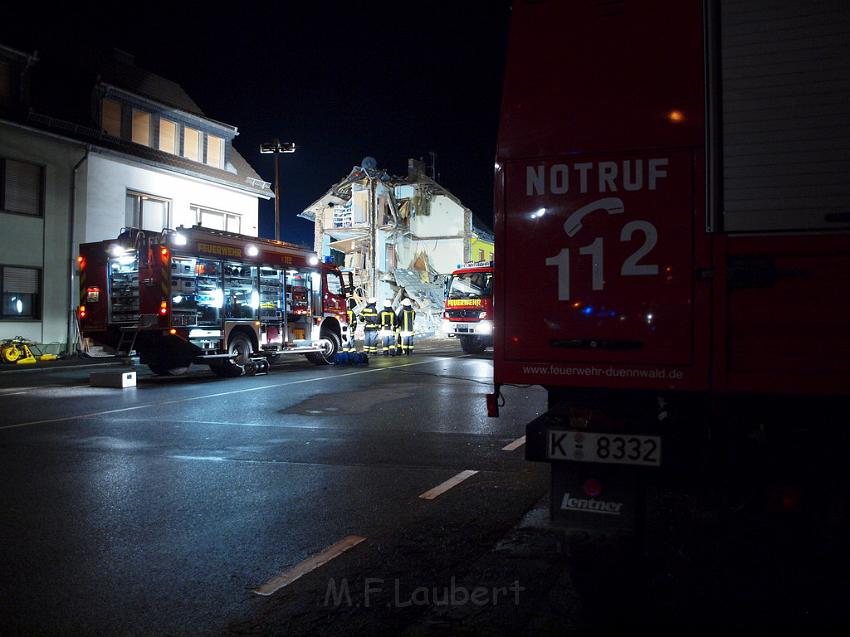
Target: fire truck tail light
[(81, 261), (163, 308), (172, 331), (82, 311), (164, 252)]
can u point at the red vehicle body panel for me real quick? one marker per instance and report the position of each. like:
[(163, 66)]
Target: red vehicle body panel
[(607, 276)]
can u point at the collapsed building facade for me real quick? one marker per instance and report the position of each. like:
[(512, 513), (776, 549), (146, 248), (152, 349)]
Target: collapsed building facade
[(400, 237)]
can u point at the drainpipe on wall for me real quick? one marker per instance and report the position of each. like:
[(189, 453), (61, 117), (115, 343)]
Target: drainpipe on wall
[(72, 296)]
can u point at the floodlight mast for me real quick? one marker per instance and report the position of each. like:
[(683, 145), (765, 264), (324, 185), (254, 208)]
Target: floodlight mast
[(277, 147)]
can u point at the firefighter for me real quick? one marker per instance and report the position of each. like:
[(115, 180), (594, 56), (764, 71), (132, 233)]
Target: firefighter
[(388, 325), (350, 345), (371, 325), (406, 317)]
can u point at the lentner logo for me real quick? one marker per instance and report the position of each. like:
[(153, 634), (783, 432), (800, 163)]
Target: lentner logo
[(590, 505)]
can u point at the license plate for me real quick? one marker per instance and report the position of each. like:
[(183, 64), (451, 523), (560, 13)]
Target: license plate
[(581, 446)]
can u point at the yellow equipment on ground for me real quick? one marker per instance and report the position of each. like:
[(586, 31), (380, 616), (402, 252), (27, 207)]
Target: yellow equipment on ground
[(19, 350)]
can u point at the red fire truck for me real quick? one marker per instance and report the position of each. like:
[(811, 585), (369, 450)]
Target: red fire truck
[(468, 313), (673, 225), (203, 296)]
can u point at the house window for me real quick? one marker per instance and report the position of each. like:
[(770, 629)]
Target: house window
[(168, 136), (148, 212), (22, 187), (217, 219), (480, 255), (20, 289), (141, 127), (215, 151), (110, 117), (191, 144), (389, 257), (491, 257)]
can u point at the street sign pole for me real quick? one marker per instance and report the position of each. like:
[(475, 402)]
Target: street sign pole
[(277, 148)]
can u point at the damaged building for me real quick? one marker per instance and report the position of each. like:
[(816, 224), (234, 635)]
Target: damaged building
[(398, 236)]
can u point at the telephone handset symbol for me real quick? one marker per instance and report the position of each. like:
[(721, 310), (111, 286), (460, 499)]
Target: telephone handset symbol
[(611, 205)]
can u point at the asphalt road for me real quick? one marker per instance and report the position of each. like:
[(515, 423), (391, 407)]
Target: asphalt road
[(161, 509)]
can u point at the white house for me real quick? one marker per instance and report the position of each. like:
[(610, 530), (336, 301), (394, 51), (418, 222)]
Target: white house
[(134, 150)]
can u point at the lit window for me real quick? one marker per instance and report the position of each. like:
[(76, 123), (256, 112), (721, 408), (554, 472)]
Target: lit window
[(141, 127), (148, 212), (191, 144), (217, 219), (168, 136), (23, 187), (215, 151), (110, 117), (20, 293)]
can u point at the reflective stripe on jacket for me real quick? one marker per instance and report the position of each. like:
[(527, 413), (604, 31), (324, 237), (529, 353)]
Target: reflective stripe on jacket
[(405, 319), (370, 317), (388, 318)]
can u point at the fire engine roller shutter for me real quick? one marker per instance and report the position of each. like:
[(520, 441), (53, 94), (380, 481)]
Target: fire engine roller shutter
[(785, 78)]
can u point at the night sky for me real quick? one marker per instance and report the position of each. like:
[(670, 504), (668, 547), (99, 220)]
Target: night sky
[(341, 80)]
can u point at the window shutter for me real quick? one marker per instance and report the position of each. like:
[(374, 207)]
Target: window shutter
[(141, 127), (20, 280), (214, 150), (191, 144), (168, 136), (22, 187), (111, 117)]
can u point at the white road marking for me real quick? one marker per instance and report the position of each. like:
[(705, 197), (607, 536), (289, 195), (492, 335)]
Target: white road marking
[(516, 444), (213, 458), (308, 565), (219, 394), (448, 484)]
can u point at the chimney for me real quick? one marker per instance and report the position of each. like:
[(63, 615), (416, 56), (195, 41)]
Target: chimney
[(415, 169), (122, 57)]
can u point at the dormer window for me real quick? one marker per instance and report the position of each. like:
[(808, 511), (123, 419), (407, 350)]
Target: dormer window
[(168, 136), (110, 117), (141, 127), (215, 151), (192, 144)]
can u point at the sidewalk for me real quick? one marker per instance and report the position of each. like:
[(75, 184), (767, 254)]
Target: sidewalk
[(61, 364)]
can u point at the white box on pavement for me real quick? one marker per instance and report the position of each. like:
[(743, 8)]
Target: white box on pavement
[(114, 378)]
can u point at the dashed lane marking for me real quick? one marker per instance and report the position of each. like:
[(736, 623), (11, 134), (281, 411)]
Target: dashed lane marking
[(516, 444), (308, 565), (448, 484)]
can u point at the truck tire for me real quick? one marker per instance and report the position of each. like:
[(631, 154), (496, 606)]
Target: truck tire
[(325, 358), (240, 347), (473, 344)]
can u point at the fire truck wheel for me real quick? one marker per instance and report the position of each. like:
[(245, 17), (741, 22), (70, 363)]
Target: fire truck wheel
[(472, 344), (326, 357), (240, 347)]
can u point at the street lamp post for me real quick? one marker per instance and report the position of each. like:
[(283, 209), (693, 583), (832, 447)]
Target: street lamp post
[(277, 148)]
